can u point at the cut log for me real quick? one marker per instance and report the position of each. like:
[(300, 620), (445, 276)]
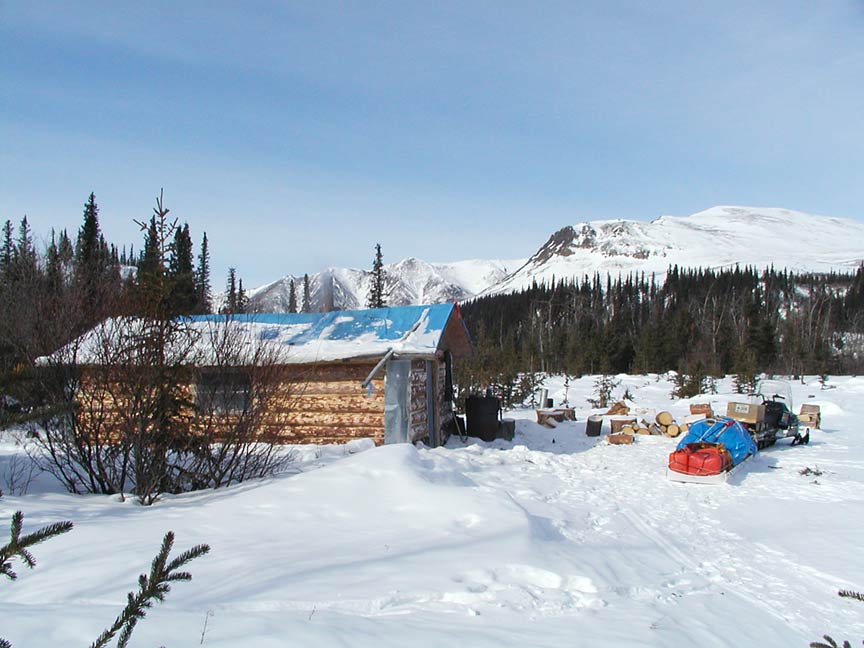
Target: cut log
[(617, 424), (628, 429), (643, 430), (685, 428), (617, 409), (620, 439), (655, 429), (673, 431), (545, 417), (665, 418)]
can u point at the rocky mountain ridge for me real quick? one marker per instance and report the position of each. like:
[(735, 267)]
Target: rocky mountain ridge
[(715, 238)]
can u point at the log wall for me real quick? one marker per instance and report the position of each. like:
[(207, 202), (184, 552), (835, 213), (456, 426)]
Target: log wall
[(327, 404), (317, 404), (322, 403)]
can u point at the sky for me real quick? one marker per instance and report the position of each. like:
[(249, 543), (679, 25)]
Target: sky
[(300, 134)]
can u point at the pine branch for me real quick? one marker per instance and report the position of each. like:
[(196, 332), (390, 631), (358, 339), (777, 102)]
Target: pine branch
[(850, 594), (830, 643), (18, 545), (150, 588)]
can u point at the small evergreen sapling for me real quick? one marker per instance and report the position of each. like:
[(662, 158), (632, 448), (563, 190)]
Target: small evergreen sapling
[(603, 387), (151, 588), (829, 641), (18, 545)]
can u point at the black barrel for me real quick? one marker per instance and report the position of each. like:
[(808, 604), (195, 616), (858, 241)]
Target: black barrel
[(592, 427), (482, 415)]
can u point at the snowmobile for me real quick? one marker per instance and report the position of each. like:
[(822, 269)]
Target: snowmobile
[(772, 418)]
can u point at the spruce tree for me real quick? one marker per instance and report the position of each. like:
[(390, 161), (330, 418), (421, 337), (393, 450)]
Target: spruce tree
[(96, 273), (307, 296), (53, 268), (87, 246), (25, 261), (183, 293), (150, 276), (242, 299), (292, 297), (8, 250), (202, 279), (230, 304), (376, 289)]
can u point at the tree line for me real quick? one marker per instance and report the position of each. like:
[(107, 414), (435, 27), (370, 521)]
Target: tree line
[(698, 322), (53, 294)]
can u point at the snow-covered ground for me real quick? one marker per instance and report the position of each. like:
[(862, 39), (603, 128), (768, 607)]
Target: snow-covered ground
[(555, 539)]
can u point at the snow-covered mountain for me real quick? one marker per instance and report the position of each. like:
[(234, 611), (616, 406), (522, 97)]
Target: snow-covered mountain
[(716, 238), (410, 281)]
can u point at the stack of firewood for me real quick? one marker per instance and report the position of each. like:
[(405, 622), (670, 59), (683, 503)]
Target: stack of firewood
[(663, 424)]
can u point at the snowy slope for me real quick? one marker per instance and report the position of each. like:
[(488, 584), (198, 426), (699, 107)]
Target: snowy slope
[(716, 238), (555, 539)]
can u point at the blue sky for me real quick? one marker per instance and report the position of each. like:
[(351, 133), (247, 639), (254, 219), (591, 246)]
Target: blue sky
[(300, 134)]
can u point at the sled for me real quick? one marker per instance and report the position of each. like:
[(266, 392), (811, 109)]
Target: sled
[(719, 478), (712, 451)]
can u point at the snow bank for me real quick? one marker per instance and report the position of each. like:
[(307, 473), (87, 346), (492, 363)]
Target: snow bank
[(555, 539)]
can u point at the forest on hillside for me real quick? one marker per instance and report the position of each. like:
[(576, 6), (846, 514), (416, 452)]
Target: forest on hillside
[(700, 323)]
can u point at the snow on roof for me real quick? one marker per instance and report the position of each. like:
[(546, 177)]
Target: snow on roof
[(296, 338)]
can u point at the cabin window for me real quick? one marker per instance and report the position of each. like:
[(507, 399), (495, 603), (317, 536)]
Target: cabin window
[(223, 392)]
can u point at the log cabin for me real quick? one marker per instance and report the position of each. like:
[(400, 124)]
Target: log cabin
[(384, 373)]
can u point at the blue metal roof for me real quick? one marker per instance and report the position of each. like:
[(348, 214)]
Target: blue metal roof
[(386, 324)]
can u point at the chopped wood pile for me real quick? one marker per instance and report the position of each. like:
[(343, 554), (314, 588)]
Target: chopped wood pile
[(663, 424)]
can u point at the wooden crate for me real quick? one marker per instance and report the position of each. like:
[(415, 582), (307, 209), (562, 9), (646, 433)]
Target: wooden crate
[(702, 408), (810, 416), (746, 412)]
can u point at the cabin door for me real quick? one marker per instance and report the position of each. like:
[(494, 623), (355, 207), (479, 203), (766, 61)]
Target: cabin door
[(397, 401)]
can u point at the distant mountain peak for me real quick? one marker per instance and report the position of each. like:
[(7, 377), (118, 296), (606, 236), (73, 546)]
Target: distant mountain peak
[(721, 236)]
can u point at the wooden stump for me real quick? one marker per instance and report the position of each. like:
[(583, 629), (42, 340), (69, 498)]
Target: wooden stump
[(673, 430)]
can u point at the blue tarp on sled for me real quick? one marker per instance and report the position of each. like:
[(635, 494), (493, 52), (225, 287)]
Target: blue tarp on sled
[(727, 431)]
